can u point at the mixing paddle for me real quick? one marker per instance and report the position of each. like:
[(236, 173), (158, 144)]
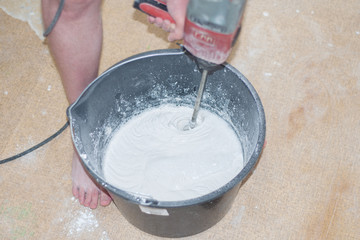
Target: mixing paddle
[(192, 123)]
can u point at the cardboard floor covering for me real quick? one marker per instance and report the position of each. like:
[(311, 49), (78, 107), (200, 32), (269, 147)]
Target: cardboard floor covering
[(303, 58)]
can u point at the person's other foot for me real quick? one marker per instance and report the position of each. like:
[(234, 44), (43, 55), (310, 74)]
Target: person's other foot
[(84, 188)]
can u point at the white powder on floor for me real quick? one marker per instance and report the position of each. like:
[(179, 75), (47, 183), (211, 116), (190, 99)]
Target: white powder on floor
[(152, 155), (84, 220)]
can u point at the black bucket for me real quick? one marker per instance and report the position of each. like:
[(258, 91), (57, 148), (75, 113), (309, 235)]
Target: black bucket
[(148, 80)]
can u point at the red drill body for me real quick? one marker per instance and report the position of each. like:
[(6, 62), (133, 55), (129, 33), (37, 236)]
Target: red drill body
[(211, 28)]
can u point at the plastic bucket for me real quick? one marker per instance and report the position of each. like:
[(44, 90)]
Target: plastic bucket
[(147, 80)]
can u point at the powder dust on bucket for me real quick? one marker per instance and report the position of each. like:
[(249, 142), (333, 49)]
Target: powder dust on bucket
[(162, 78)]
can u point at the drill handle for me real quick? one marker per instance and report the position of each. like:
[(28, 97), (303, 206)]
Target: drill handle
[(155, 8)]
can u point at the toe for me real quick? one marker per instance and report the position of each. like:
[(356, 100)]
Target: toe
[(94, 199), (75, 191), (105, 199), (82, 196), (87, 198)]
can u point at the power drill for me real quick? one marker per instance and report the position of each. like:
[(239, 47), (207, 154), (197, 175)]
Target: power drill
[(211, 29)]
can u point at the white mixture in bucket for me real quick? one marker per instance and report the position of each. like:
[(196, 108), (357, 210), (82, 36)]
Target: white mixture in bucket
[(152, 155)]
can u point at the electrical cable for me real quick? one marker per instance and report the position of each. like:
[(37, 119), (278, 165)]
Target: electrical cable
[(36, 146), (56, 18), (45, 34)]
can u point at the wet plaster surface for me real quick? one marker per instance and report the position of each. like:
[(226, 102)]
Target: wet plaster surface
[(303, 58)]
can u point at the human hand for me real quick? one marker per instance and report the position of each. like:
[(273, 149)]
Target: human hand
[(177, 10)]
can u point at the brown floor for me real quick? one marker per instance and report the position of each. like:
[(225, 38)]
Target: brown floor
[(303, 57)]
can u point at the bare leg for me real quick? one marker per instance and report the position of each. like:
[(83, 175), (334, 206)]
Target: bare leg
[(75, 44)]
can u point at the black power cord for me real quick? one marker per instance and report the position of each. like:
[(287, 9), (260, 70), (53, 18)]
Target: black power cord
[(36, 146), (56, 18), (45, 34)]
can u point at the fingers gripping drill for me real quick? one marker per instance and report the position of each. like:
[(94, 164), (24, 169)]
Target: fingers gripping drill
[(211, 29)]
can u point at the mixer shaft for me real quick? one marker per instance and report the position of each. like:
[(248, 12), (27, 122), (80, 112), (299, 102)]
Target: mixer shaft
[(199, 98)]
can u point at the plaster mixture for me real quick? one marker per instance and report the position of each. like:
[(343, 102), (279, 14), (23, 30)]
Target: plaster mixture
[(153, 155)]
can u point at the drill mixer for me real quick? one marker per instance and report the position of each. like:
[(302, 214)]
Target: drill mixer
[(211, 29)]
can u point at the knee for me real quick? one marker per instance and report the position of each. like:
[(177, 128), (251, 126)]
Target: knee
[(74, 9)]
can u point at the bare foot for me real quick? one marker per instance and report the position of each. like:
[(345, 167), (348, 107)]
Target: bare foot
[(177, 10), (84, 188)]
